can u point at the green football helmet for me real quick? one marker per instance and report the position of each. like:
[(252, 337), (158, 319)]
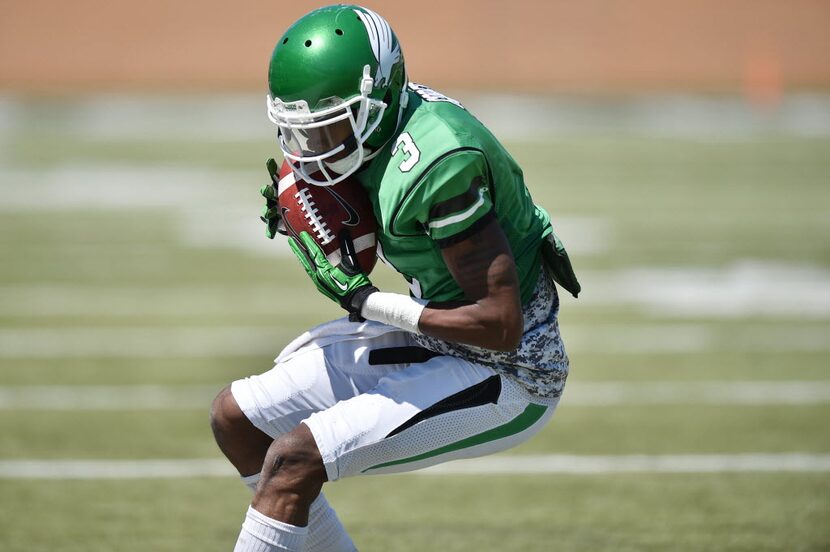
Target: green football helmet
[(337, 89)]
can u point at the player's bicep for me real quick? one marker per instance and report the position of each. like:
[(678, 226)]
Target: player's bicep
[(482, 264)]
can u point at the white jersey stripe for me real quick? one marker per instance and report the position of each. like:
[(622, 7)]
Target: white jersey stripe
[(470, 211)]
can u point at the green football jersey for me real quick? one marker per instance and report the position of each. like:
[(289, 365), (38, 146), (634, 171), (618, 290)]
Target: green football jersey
[(442, 178)]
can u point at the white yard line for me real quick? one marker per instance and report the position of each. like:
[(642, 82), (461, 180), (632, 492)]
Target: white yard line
[(107, 397), (233, 209), (495, 465), (194, 342), (697, 392), (140, 342), (742, 289), (113, 469), (637, 463), (89, 187), (633, 338), (89, 302), (196, 397), (745, 288)]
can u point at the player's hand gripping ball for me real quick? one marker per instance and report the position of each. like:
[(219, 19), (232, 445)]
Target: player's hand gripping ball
[(328, 213), (271, 211), (344, 284)]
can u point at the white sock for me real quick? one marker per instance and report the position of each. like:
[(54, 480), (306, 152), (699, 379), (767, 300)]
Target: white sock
[(326, 533), (262, 534)]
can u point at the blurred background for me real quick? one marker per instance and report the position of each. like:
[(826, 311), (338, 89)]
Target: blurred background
[(683, 149)]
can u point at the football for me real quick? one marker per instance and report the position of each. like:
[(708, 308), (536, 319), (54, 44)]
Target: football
[(326, 212)]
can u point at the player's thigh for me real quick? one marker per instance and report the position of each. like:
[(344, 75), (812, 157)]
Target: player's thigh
[(314, 379), (425, 414)]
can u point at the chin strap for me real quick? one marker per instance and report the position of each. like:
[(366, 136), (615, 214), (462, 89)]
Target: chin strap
[(342, 166), (367, 83), (404, 101)]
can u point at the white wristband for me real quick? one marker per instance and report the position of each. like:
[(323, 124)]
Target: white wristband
[(393, 309)]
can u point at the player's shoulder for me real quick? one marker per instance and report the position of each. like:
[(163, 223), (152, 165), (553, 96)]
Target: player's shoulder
[(435, 132), (439, 146), (438, 154), (437, 123)]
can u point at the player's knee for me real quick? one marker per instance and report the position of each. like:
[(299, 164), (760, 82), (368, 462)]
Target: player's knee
[(293, 465), (239, 440), (225, 414)]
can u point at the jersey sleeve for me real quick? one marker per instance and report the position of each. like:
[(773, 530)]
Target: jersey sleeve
[(452, 200)]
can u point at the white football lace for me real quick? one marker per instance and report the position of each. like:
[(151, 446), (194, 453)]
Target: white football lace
[(308, 206)]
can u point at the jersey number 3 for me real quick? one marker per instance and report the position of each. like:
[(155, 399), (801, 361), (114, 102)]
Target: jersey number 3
[(410, 151)]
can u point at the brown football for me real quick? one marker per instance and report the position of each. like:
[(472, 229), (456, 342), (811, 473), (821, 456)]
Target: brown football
[(327, 211)]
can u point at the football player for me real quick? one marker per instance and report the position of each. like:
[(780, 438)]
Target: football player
[(470, 363)]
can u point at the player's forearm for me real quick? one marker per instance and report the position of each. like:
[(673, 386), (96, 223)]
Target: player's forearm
[(491, 326), (491, 317), (487, 323)]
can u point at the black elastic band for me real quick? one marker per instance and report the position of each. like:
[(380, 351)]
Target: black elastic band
[(400, 355)]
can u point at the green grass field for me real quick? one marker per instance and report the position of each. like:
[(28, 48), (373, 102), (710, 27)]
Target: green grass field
[(139, 261)]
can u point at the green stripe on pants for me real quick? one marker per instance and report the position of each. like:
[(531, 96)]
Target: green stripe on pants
[(530, 416)]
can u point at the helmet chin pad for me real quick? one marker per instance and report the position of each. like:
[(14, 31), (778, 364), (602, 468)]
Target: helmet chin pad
[(344, 164)]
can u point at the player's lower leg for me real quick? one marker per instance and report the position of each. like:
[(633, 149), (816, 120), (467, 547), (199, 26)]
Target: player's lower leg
[(325, 530), (245, 446), (291, 479)]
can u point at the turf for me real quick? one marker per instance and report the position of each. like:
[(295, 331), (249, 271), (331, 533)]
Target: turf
[(167, 266), (414, 513), (659, 430)]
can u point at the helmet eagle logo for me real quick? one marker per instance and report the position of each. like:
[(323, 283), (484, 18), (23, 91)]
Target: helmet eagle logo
[(385, 46)]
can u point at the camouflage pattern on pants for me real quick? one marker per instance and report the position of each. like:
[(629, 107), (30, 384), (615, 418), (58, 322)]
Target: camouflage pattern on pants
[(540, 363)]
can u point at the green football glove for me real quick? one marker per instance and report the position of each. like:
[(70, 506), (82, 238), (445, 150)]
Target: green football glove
[(348, 286), (271, 215), (558, 264)]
